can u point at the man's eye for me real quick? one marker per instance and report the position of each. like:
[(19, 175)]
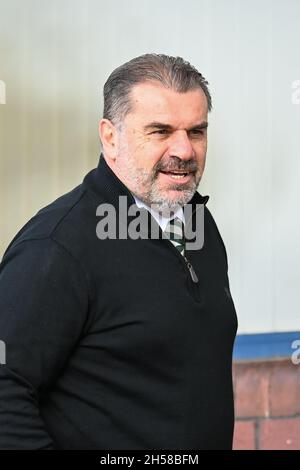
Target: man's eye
[(197, 132), (161, 132)]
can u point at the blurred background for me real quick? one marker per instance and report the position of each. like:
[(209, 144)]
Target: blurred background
[(54, 59)]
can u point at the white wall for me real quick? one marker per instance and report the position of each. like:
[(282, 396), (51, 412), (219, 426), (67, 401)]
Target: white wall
[(54, 59)]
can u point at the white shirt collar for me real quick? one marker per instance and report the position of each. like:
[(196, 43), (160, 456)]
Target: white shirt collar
[(160, 219)]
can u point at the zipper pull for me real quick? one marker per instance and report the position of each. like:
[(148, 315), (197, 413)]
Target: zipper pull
[(192, 271)]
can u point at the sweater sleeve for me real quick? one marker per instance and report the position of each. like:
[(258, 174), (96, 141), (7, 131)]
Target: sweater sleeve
[(43, 309)]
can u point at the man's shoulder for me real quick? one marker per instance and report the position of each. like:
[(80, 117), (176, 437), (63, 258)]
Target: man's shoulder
[(67, 214)]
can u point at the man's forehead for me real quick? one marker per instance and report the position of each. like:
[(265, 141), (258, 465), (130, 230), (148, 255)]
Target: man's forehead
[(157, 101)]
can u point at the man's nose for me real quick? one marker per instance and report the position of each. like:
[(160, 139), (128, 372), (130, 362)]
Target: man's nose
[(180, 145)]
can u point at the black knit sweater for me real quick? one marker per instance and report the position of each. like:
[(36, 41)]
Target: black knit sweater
[(110, 344)]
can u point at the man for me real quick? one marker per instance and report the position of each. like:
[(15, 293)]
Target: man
[(123, 342)]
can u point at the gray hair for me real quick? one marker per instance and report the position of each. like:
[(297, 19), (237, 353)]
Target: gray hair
[(172, 72)]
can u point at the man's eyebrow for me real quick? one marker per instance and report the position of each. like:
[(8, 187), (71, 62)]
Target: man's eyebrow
[(168, 127)]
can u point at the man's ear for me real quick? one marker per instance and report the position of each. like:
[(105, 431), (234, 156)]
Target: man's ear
[(109, 138)]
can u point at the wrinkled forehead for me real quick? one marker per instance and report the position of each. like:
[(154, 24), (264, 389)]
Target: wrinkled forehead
[(151, 101)]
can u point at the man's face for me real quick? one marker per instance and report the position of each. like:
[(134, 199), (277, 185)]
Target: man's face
[(162, 145)]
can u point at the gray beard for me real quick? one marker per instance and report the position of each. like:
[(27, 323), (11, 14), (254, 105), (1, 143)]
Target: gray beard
[(153, 197), (165, 205)]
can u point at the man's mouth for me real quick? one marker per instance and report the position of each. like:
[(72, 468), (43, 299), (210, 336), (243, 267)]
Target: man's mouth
[(177, 174)]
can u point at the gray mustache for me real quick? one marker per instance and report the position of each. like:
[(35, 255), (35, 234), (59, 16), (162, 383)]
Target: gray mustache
[(180, 166)]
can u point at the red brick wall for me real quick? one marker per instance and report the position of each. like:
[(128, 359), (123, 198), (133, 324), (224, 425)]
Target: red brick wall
[(267, 405)]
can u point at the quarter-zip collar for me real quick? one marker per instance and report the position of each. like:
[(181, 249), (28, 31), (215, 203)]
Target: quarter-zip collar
[(107, 188)]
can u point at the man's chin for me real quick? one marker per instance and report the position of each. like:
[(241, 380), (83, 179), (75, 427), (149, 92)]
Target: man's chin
[(172, 201)]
